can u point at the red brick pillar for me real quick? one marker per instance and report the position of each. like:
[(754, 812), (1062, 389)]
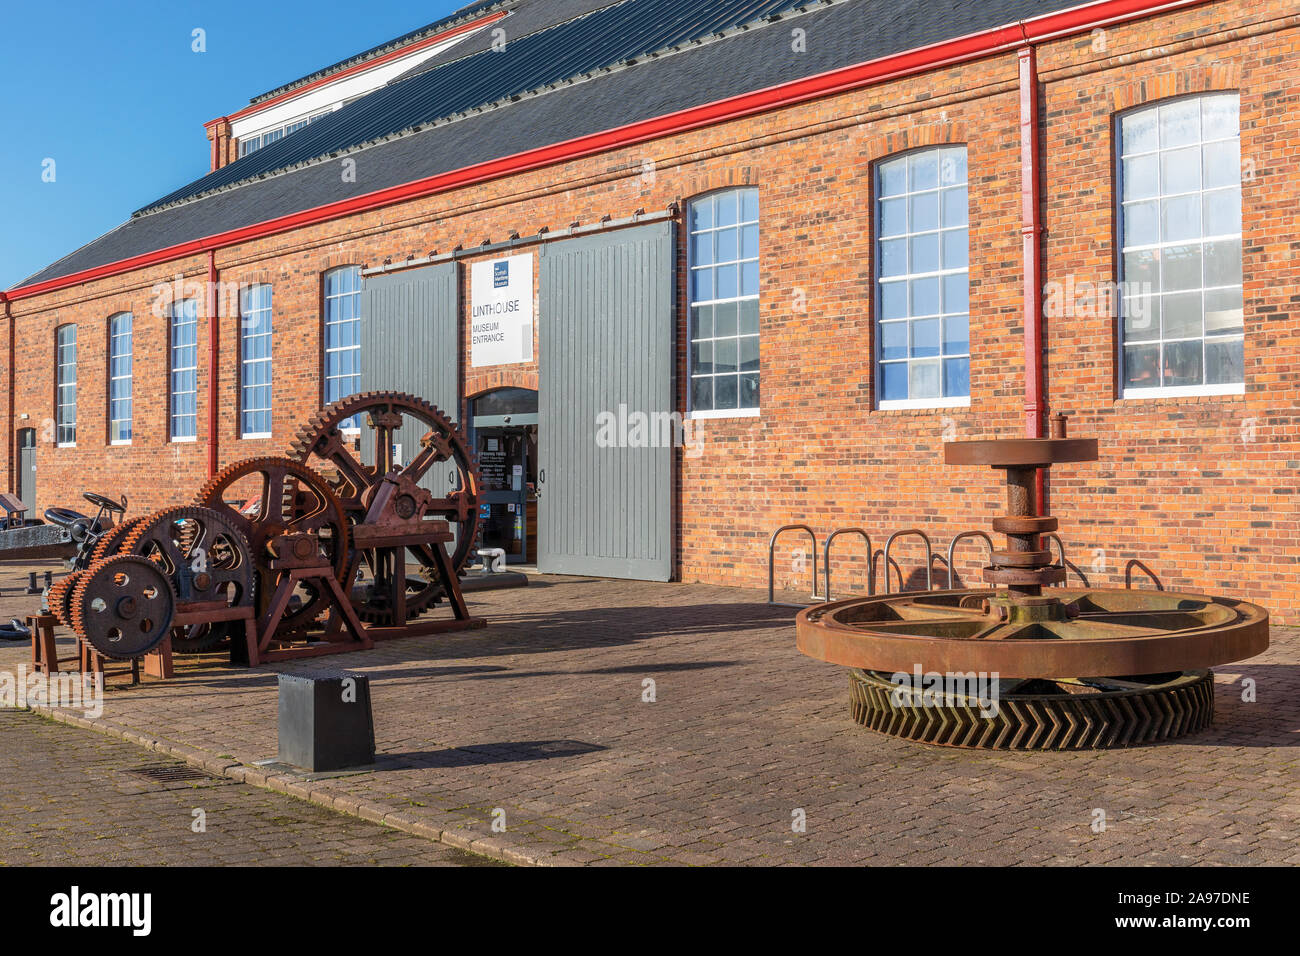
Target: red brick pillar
[(223, 143)]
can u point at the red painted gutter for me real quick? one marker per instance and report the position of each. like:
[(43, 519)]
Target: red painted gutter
[(214, 365), (964, 49), (363, 66)]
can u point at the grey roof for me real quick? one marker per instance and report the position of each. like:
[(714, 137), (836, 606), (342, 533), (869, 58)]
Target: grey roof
[(601, 38), (468, 12), (840, 34)]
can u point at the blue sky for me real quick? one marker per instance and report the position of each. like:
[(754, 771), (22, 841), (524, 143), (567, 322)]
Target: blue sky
[(113, 93)]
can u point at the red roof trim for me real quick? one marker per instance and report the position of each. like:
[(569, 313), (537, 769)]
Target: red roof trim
[(391, 55), (922, 59)]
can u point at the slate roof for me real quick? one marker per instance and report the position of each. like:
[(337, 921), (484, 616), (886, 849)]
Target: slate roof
[(429, 123), (466, 13)]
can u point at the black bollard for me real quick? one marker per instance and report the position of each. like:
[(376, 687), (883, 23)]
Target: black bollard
[(326, 722), (31, 583)]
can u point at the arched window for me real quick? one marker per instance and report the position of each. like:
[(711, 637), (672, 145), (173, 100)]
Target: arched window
[(255, 361), (922, 280), (120, 377), (342, 334), (723, 290), (1180, 240)]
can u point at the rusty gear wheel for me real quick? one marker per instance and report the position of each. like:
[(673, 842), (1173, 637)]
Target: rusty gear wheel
[(60, 597), (112, 539), (123, 606), (267, 497), (1085, 714), (357, 481), (209, 551)]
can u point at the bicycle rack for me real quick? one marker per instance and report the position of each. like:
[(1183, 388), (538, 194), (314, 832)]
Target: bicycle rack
[(771, 564), (953, 547), (1060, 547), (1128, 574), (826, 561), (929, 557)]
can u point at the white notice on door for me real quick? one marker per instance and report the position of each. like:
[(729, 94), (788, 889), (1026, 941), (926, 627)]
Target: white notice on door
[(501, 300)]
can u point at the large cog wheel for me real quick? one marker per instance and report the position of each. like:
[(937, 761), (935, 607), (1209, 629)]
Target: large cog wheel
[(285, 497), (123, 606), (357, 482)]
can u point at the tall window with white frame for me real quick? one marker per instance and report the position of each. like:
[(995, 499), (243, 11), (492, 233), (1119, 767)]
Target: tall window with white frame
[(1180, 238), (255, 361), (184, 370), (923, 280), (120, 356), (65, 377), (724, 280), (342, 335)]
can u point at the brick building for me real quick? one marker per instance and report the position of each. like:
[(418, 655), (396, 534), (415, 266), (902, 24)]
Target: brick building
[(815, 230)]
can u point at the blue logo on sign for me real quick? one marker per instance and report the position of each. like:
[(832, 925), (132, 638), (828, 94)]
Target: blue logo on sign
[(500, 274)]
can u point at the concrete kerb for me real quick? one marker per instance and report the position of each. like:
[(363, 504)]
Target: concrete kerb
[(373, 811)]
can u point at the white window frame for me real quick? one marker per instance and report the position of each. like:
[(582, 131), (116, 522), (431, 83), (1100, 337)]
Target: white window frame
[(180, 315), (907, 277), (1128, 393), (65, 363), (245, 337), (334, 354), (115, 339), (741, 411)]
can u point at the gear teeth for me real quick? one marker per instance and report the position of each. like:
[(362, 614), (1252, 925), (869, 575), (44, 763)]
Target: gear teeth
[(60, 598), (327, 419), (133, 538), (211, 496), (78, 602), (1105, 720)]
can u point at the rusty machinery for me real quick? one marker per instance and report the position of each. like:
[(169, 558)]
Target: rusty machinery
[(1075, 668), (307, 546)]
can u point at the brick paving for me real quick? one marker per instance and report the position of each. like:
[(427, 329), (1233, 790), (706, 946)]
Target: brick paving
[(68, 797), (541, 722)]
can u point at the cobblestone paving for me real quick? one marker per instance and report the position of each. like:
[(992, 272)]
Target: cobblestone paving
[(69, 797), (542, 718)]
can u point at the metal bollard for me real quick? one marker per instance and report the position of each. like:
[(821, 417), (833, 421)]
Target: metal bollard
[(32, 587), (326, 722)]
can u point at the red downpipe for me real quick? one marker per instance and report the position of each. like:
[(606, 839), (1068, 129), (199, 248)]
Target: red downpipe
[(1031, 231), (9, 395), (214, 340)]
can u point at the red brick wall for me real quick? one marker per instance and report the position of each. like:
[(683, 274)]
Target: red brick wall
[(1176, 487)]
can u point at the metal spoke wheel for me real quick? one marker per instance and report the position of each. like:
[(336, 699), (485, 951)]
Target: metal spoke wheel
[(208, 559), (352, 442), (1082, 633), (123, 606), (265, 498)]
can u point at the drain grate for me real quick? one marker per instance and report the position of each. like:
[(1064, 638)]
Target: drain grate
[(170, 773)]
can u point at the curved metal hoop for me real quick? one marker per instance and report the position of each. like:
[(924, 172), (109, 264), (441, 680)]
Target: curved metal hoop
[(929, 557), (953, 547), (826, 561), (771, 564)]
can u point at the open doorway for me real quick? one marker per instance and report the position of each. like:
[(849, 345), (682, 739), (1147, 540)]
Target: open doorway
[(503, 430)]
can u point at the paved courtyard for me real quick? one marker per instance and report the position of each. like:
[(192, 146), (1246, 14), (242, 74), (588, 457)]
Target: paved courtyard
[(607, 722), (73, 798)]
